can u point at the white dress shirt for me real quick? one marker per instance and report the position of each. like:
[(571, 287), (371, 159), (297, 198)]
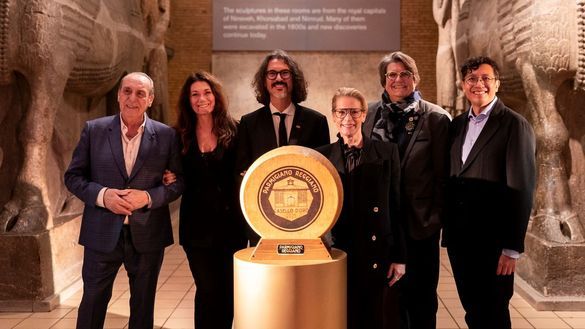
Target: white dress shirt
[(130, 148), (290, 114)]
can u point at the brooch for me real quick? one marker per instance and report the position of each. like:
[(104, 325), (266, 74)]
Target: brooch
[(411, 124)]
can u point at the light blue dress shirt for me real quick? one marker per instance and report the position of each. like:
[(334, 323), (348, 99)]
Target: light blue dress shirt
[(475, 125)]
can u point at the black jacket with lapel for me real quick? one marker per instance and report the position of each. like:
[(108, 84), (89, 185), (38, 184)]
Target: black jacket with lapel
[(491, 193), (424, 168), (256, 133), (369, 227)]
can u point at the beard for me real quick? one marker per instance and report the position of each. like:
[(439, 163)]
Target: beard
[(280, 94)]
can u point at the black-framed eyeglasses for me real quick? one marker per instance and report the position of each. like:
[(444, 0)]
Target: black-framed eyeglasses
[(395, 75), (342, 113), (473, 80), (284, 74)]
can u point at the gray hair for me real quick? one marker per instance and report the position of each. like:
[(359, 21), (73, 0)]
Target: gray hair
[(142, 74), (397, 57)]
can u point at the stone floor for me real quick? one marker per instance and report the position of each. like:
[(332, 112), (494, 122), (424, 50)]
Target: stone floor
[(174, 304)]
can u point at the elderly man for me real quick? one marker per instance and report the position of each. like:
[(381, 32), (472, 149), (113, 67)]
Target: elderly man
[(116, 170), (280, 86)]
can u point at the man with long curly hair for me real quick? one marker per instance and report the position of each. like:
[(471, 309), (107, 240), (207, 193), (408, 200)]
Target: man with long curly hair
[(280, 86)]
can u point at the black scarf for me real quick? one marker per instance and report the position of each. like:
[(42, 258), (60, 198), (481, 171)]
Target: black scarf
[(397, 121)]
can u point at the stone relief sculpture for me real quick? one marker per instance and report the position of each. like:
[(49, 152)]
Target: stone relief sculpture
[(540, 48), (49, 48), (446, 14)]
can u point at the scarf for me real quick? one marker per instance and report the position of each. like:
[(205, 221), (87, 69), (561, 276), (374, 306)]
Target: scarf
[(396, 118)]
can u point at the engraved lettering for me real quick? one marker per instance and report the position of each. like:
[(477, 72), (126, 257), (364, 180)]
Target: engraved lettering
[(291, 249)]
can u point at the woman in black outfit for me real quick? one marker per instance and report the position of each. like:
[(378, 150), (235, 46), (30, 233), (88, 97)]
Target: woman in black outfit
[(369, 228), (209, 229)]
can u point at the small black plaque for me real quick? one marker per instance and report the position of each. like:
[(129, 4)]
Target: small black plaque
[(291, 249)]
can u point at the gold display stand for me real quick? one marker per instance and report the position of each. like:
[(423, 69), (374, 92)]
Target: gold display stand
[(291, 196), (290, 294)]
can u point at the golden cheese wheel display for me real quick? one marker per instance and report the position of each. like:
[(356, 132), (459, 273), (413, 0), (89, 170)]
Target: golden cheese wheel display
[(291, 192)]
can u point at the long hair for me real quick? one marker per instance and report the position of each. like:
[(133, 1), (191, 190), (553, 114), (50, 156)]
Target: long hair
[(398, 57), (299, 85), (224, 126)]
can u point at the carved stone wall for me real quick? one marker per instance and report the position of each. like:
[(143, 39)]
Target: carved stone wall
[(49, 48), (60, 62)]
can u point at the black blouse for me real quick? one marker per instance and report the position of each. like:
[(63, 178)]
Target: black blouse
[(209, 214)]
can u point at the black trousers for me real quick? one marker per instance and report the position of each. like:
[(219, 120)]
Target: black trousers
[(371, 304), (484, 295), (212, 270), (419, 284), (99, 271)]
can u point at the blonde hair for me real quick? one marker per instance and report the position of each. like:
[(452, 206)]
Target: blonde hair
[(349, 92)]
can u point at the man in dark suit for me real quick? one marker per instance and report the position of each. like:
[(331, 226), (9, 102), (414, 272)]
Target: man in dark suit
[(421, 131), (116, 170), (490, 197), (280, 86)]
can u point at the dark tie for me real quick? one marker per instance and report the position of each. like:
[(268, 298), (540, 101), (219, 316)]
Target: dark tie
[(282, 139)]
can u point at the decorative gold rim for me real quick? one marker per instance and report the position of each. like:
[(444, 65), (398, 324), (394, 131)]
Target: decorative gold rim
[(322, 180)]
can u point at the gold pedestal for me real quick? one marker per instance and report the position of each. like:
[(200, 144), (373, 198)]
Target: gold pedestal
[(290, 294)]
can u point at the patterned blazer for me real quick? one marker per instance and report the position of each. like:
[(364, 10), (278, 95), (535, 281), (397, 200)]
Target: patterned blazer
[(98, 162)]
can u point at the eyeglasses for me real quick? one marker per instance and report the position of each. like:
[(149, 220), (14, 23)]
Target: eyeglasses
[(473, 80), (284, 74), (342, 113), (394, 75)]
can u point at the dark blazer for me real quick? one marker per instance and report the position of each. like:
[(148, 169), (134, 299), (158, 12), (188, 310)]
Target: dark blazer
[(424, 168), (210, 203), (98, 161), (369, 227), (491, 193), (256, 134)]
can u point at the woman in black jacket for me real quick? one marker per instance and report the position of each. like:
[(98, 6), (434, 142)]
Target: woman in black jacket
[(210, 230), (369, 228)]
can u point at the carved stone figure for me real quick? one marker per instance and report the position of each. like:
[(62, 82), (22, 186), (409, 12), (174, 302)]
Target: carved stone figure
[(540, 48), (449, 97), (49, 48)]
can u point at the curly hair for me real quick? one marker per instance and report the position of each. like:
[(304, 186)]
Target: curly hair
[(473, 63), (299, 90), (397, 57), (224, 126)]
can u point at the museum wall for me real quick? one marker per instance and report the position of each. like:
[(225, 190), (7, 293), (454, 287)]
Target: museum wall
[(190, 34)]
